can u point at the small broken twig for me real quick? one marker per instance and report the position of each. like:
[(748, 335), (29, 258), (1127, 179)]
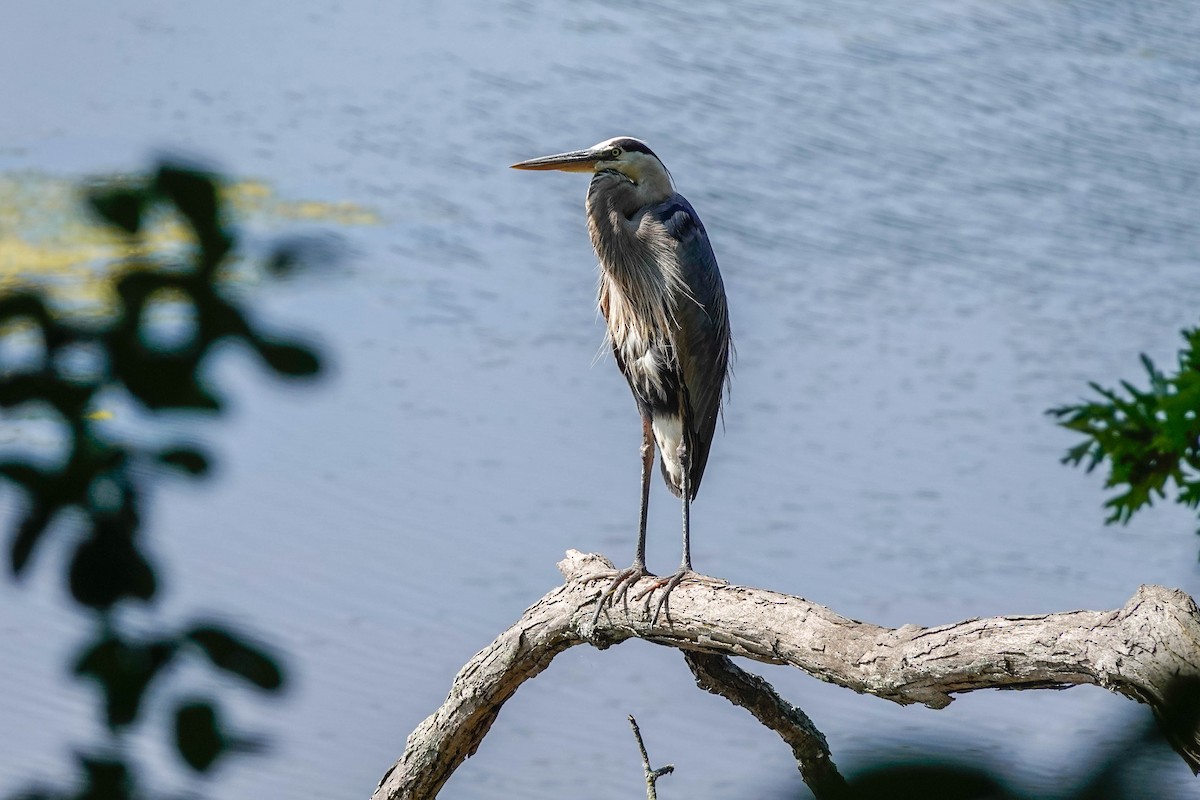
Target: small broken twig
[(652, 775)]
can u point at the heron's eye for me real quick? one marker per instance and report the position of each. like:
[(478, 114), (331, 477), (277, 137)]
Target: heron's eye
[(616, 152)]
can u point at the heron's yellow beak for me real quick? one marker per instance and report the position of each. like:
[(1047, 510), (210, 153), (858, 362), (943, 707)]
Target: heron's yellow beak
[(575, 161)]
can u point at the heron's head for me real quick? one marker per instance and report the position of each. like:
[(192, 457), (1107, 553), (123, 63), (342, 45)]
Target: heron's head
[(628, 156)]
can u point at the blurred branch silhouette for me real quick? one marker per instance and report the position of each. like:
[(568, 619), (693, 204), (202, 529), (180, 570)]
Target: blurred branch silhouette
[(94, 495), (1109, 777), (1149, 437)]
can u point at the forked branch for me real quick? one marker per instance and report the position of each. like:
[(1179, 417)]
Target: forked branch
[(651, 774)]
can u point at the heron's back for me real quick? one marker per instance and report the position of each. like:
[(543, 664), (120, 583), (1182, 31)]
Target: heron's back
[(663, 299)]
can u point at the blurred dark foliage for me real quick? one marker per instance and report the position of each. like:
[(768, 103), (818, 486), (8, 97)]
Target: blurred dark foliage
[(1149, 437), (1116, 772), (97, 492)]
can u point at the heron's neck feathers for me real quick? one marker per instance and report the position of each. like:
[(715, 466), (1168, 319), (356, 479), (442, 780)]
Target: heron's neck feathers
[(654, 182), (640, 280)]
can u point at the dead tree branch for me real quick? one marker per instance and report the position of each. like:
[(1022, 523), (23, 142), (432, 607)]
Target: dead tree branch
[(719, 675), (1138, 651)]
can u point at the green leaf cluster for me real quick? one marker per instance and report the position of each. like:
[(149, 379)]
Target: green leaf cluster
[(1148, 437)]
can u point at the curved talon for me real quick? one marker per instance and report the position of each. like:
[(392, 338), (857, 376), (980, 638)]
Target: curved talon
[(667, 585), (619, 588), (622, 592)]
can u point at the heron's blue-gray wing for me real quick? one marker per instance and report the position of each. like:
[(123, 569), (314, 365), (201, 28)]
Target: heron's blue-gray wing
[(702, 340)]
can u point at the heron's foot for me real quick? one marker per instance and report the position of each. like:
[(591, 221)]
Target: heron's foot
[(618, 589), (667, 585)]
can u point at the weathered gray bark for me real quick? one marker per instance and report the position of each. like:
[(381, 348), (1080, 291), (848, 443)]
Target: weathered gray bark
[(719, 675), (1138, 650)]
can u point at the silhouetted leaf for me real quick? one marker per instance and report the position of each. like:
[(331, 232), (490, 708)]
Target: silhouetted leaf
[(106, 780), (123, 670), (922, 781), (288, 359), (137, 286), (216, 318), (188, 459), (22, 474), (198, 734), (237, 656), (162, 381), (121, 207), (194, 193), (31, 307), (29, 531), (108, 568), (24, 304), (69, 398)]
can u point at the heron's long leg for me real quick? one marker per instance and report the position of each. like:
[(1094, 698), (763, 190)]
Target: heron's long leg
[(685, 464), (685, 566), (647, 468), (622, 580)]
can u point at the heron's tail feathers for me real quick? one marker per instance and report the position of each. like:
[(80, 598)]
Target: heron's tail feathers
[(672, 479)]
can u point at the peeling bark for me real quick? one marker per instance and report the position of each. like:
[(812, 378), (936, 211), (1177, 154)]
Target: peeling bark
[(1138, 651)]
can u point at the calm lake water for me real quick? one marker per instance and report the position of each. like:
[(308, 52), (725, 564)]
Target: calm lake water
[(935, 221)]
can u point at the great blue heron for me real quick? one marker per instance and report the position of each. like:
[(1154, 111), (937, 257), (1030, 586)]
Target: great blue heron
[(662, 297)]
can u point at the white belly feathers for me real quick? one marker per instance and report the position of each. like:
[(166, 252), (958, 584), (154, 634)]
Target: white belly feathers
[(648, 366), (668, 433)]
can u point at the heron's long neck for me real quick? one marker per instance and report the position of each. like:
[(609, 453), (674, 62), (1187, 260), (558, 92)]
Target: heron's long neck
[(633, 286)]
